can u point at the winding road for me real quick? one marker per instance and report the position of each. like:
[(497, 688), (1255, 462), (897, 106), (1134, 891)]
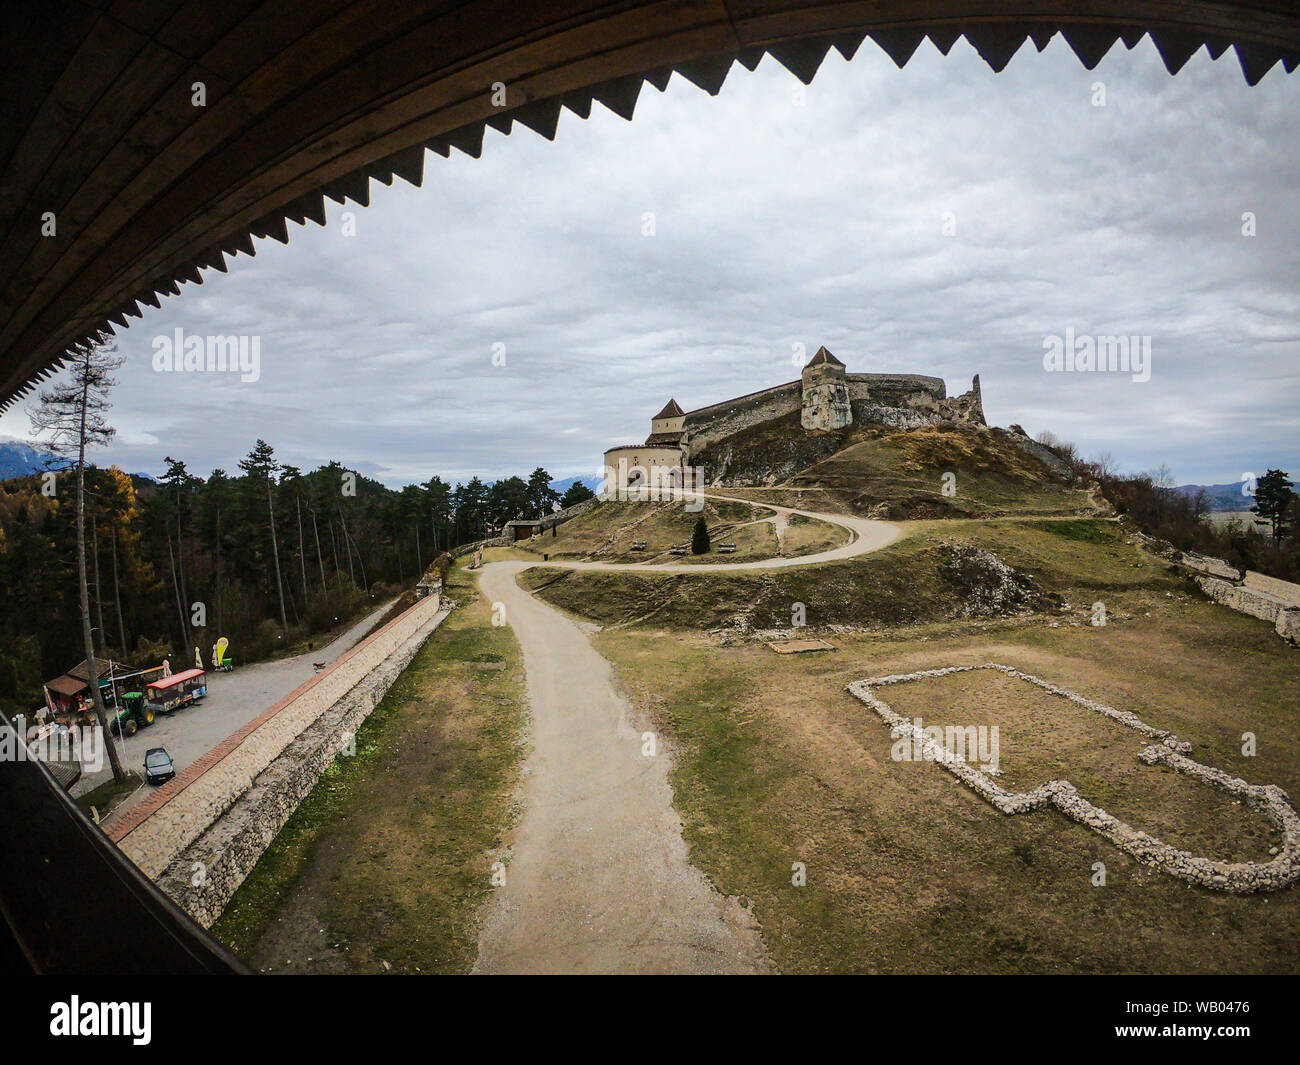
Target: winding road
[(599, 879)]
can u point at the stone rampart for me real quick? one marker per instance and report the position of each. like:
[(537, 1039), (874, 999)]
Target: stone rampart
[(1258, 603), (708, 425)]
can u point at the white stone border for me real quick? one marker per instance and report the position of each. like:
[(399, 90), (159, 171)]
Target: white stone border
[(1239, 878)]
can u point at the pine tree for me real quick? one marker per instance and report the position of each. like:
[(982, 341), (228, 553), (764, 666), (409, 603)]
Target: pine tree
[(1273, 498), (541, 496), (577, 493), (261, 465), (700, 538)]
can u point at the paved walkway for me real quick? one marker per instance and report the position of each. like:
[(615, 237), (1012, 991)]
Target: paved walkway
[(233, 700), (599, 879)]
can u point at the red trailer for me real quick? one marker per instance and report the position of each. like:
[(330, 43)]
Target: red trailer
[(180, 689)]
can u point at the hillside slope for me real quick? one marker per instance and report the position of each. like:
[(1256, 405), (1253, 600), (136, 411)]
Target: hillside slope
[(937, 471), (935, 574)]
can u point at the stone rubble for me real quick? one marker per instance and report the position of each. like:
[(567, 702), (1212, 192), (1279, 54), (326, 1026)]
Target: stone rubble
[(1239, 878)]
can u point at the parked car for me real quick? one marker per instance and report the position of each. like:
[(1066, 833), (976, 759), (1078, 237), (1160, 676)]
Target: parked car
[(158, 766)]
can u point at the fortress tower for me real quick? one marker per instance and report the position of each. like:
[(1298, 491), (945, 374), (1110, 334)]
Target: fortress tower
[(826, 401), (667, 426)]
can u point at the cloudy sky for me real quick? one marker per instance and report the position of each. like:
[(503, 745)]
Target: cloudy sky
[(941, 220)]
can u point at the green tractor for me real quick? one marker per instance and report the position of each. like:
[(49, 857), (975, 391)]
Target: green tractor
[(135, 713)]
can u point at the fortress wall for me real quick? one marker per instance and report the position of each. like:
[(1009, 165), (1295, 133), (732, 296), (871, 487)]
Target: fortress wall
[(711, 424), (704, 415), (896, 390), (900, 400)]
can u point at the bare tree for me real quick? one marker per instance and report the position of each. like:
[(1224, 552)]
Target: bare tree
[(73, 416)]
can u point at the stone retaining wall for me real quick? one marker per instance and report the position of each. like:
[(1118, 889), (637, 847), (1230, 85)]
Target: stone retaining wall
[(1239, 878), (228, 850), (225, 808), (1256, 594), (465, 549), (1257, 603), (1286, 591)]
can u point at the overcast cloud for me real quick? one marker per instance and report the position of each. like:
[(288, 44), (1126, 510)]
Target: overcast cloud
[(775, 224)]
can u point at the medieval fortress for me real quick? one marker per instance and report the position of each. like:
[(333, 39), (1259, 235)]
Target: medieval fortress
[(826, 397)]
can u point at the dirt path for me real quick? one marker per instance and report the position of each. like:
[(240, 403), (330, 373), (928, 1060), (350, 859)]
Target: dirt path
[(866, 535), (599, 878)]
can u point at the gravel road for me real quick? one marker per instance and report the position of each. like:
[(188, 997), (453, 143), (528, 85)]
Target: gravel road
[(599, 879)]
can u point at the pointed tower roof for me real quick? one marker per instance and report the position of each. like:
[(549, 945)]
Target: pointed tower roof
[(672, 410), (824, 358)]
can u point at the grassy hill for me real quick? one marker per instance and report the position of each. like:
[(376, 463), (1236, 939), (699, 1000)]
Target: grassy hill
[(898, 473), (606, 532), (926, 577)]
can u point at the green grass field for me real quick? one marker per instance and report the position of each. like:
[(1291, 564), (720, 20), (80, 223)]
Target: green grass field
[(388, 858), (607, 531)]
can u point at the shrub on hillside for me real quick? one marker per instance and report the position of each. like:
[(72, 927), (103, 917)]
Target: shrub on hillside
[(1150, 502)]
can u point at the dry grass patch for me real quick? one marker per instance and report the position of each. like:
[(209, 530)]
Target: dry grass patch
[(1043, 737), (910, 871)]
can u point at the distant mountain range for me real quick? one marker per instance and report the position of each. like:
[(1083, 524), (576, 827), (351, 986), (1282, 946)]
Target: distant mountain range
[(1219, 497), (19, 459), (568, 482)]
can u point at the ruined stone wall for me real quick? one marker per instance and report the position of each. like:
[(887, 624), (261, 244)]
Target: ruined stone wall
[(896, 390), (909, 401), (1258, 603), (708, 425), (1242, 878), (1283, 590)]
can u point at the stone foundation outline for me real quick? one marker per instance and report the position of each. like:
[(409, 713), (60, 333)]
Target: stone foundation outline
[(1239, 878)]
